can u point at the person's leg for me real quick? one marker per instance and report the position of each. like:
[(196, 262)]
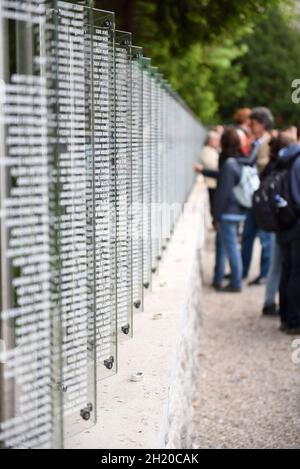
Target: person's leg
[(293, 290), (284, 283), (266, 244), (229, 233), (249, 234), (220, 261), (211, 193), (274, 276)]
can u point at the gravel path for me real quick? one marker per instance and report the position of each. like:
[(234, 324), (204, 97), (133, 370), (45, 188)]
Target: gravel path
[(249, 388)]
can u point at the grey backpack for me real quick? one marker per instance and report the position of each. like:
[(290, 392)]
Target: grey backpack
[(248, 185)]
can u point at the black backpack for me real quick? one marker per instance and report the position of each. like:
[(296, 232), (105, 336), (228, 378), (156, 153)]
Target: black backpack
[(273, 206)]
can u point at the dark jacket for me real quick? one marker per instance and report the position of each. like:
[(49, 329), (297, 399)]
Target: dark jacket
[(269, 169), (225, 201), (284, 157)]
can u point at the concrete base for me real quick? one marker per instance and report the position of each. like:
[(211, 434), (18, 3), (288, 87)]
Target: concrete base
[(157, 412)]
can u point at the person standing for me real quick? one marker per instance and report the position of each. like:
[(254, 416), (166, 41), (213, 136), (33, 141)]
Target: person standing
[(227, 212), (290, 247), (209, 162), (209, 159), (261, 122), (273, 281)]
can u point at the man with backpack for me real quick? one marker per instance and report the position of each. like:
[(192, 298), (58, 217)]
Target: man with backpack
[(276, 207), (261, 124), (290, 245)]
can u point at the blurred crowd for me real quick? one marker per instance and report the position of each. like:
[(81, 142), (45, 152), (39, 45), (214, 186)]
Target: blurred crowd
[(252, 172)]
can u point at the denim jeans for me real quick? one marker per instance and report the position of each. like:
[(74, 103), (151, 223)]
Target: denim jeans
[(251, 231), (220, 260), (229, 236), (290, 284), (274, 276)]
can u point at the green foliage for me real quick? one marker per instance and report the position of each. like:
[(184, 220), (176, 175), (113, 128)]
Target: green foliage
[(192, 78), (182, 23), (218, 54), (203, 70), (271, 64), (228, 84)]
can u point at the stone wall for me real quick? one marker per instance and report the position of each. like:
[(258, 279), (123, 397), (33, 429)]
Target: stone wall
[(178, 428)]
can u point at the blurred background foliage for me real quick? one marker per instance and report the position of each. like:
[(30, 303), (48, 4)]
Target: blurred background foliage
[(220, 54)]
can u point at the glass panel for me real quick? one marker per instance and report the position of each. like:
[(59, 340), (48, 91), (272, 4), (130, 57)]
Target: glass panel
[(160, 172), (155, 230), (147, 244), (99, 66), (25, 381), (174, 168), (74, 333), (165, 176), (169, 158), (123, 181), (137, 179)]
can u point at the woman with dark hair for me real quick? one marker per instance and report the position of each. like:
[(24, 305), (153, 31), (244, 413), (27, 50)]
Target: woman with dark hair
[(228, 213)]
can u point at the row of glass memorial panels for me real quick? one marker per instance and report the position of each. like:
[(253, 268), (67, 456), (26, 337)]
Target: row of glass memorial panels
[(94, 149)]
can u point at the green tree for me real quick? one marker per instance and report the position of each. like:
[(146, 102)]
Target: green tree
[(181, 23), (271, 63), (194, 43), (218, 54), (203, 71)]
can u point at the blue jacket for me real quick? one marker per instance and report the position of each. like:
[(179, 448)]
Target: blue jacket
[(285, 155), (225, 202)]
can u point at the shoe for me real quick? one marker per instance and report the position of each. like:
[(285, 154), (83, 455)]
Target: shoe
[(292, 330), (217, 286), (230, 289), (258, 281), (283, 327), (270, 310)]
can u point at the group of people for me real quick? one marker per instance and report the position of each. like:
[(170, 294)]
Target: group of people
[(252, 142)]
